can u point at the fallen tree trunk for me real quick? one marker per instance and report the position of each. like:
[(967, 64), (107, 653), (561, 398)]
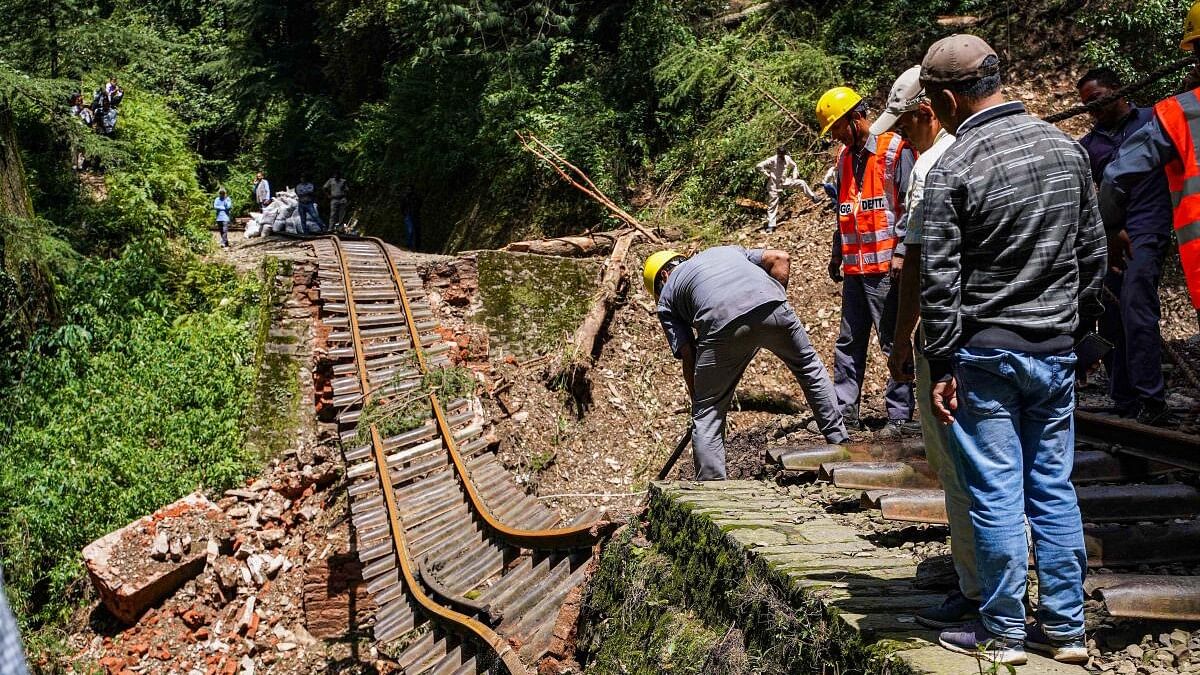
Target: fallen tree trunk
[(578, 246), (573, 371)]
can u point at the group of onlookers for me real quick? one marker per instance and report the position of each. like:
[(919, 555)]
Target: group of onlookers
[(1008, 241), (99, 115), (336, 189)]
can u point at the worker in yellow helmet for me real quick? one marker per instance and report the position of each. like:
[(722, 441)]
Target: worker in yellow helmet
[(718, 308), (1167, 143), (868, 250)]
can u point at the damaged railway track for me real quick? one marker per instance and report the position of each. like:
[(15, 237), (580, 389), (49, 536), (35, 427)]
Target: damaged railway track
[(1137, 495), (469, 573)]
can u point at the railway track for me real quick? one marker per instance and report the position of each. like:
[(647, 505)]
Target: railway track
[(1137, 495), (469, 573)]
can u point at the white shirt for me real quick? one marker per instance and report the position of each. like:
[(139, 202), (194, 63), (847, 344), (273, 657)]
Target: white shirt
[(262, 191), (778, 173), (915, 205)]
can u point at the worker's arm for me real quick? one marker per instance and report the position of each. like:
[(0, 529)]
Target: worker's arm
[(941, 276), (904, 174), (766, 167), (900, 362), (682, 342), (791, 170), (778, 264), (1147, 149), (687, 356)]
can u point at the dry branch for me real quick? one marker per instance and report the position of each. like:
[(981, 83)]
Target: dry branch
[(578, 246), (561, 166)]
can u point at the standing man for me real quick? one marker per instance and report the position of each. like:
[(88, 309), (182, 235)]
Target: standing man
[(718, 308), (1012, 260), (909, 109), (781, 172), (307, 205), (12, 654), (262, 190), (335, 187), (222, 204), (1165, 143), (410, 209), (867, 250), (1135, 377)]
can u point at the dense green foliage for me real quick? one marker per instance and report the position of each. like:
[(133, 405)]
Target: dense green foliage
[(134, 402), (124, 361)]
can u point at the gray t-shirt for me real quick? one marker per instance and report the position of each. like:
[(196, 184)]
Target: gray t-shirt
[(712, 289)]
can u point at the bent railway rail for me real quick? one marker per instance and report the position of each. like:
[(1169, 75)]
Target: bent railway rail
[(466, 569), (1136, 511)]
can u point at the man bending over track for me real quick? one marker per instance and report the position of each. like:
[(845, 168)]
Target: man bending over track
[(718, 308)]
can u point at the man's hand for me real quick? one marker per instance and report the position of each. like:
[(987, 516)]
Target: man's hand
[(896, 268), (900, 363), (835, 269), (943, 400), (1120, 250)]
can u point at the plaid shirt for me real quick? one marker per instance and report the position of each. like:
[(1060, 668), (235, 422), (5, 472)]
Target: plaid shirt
[(12, 655), (1013, 249)]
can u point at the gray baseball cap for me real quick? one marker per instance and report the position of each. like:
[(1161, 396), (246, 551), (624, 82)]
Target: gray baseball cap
[(907, 93), (958, 58)]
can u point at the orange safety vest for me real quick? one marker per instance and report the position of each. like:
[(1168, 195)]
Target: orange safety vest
[(1180, 119), (867, 215)]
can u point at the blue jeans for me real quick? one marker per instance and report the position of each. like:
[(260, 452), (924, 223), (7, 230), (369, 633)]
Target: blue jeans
[(1014, 431)]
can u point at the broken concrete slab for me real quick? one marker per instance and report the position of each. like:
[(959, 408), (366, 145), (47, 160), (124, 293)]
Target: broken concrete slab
[(123, 564)]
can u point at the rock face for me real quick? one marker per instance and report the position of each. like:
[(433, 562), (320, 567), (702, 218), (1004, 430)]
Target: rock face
[(140, 564)]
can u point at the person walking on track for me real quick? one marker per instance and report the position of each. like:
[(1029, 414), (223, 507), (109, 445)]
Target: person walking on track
[(718, 308), (867, 251), (1012, 262), (222, 205), (1166, 143)]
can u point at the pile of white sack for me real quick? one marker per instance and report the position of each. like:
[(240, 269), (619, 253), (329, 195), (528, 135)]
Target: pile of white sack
[(281, 215)]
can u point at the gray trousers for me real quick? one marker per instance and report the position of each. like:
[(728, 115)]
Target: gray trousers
[(958, 502), (867, 300), (721, 359), (337, 211)]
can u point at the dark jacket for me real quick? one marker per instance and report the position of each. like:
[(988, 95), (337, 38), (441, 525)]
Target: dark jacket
[(1013, 249), (1149, 202)]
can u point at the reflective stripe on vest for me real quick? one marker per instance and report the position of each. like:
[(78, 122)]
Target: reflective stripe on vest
[(1179, 117), (867, 214)]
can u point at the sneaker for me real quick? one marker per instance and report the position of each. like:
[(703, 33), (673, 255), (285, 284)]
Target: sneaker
[(1070, 650), (1156, 414), (955, 610), (975, 640), (897, 429)]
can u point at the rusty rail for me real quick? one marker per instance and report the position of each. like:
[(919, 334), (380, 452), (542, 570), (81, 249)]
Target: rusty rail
[(1145, 596), (460, 622), (1139, 440), (584, 534)]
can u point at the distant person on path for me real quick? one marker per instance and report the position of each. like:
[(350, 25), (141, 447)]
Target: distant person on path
[(410, 208), (1135, 377), (718, 308), (262, 190), (338, 193), (114, 92), (307, 206), (908, 109), (782, 173), (108, 118), (1012, 264), (222, 204), (12, 654)]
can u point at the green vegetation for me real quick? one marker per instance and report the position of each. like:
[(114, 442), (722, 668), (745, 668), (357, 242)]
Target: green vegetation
[(410, 409), (531, 303), (134, 402)]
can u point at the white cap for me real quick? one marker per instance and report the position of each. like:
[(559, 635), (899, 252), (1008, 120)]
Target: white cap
[(906, 94)]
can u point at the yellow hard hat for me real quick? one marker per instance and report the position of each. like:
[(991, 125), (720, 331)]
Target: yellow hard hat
[(654, 265), (834, 104), (1191, 27)]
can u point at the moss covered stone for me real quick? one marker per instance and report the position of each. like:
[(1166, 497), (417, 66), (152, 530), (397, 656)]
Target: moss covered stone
[(532, 304)]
